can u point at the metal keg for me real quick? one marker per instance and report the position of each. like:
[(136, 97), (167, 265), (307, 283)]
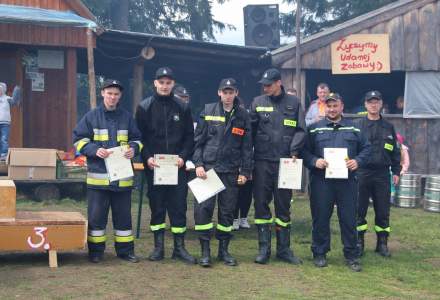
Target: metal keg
[(409, 191), (432, 194)]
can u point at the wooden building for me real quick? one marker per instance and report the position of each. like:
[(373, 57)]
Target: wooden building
[(134, 57), (41, 56), (413, 27)]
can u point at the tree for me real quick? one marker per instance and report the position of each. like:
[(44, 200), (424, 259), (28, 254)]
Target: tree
[(321, 14), (179, 18)]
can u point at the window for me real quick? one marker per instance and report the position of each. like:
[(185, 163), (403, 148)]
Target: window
[(422, 95)]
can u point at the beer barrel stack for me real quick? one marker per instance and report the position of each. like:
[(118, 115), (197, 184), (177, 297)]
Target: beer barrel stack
[(409, 191), (431, 199)]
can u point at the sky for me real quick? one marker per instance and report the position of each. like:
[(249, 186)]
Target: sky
[(232, 12)]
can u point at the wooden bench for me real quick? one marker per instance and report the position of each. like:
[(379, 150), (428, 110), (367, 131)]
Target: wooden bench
[(44, 231)]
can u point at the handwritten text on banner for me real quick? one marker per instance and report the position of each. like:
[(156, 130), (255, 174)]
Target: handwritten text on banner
[(361, 54)]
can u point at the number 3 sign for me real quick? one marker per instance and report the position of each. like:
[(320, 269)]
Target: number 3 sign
[(41, 233)]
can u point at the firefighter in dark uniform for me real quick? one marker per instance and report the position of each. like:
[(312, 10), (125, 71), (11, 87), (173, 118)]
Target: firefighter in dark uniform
[(374, 178), (334, 132), (105, 127), (278, 132), (167, 128), (223, 141)]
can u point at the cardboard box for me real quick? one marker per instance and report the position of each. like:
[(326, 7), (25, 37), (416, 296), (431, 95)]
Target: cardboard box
[(31, 163), (7, 200)]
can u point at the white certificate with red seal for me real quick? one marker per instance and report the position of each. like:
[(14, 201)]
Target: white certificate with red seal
[(290, 174), (118, 166), (203, 189), (168, 171), (337, 166)]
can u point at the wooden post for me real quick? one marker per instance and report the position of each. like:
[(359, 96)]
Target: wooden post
[(91, 67), (298, 48), (138, 83)]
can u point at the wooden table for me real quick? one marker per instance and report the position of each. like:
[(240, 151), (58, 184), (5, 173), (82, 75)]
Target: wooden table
[(43, 231)]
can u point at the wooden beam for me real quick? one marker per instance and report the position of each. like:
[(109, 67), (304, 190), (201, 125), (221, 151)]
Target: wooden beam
[(71, 71), (138, 83), (397, 44), (53, 260), (429, 59), (438, 29), (91, 69), (411, 31), (298, 48)]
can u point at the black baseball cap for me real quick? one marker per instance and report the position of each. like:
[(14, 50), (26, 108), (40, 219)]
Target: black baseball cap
[(373, 95), (164, 72), (270, 76), (112, 83), (180, 91), (228, 83), (333, 96)]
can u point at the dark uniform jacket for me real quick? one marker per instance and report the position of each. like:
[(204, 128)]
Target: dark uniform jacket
[(225, 145), (166, 125), (385, 150), (344, 134), (278, 127), (101, 128)]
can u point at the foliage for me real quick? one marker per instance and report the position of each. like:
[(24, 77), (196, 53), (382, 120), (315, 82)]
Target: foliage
[(320, 14), (179, 18)]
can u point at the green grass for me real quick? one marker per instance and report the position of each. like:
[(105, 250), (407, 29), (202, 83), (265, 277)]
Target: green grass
[(413, 272)]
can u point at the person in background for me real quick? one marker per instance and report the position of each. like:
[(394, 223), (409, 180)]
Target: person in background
[(404, 154), (5, 116), (316, 111), (385, 109), (292, 92), (399, 105), (243, 205), (374, 177), (182, 93)]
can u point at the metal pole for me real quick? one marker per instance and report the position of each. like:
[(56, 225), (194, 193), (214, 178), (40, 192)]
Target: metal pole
[(298, 48)]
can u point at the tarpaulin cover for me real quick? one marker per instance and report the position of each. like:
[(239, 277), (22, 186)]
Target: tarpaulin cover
[(39, 16), (422, 95)]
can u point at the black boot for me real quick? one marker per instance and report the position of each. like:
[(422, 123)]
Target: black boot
[(320, 261), (283, 246), (130, 257), (354, 264), (361, 243), (179, 251), (205, 259), (96, 257), (382, 246), (224, 255), (158, 251), (264, 246)]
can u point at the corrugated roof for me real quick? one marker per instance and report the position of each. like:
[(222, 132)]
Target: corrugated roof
[(40, 16)]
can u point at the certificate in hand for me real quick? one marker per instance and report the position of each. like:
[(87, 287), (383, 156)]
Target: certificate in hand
[(336, 159), (290, 174), (203, 189), (167, 172), (118, 166)]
